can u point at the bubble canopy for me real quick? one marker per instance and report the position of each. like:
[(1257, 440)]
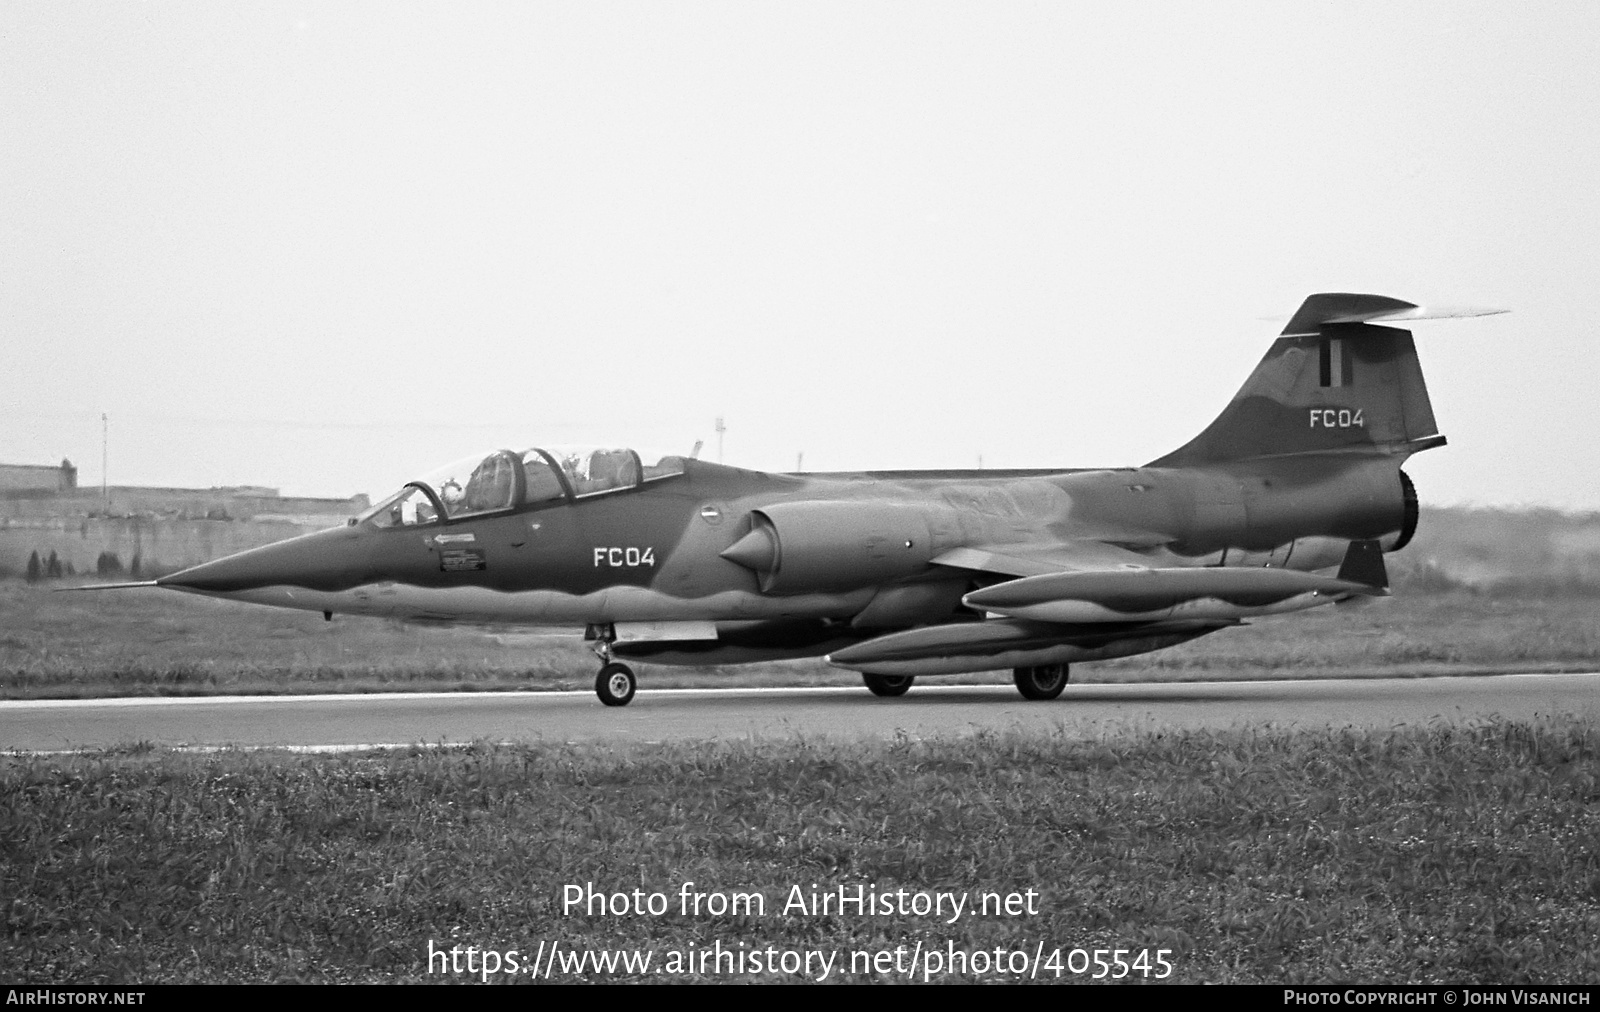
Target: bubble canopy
[(503, 480)]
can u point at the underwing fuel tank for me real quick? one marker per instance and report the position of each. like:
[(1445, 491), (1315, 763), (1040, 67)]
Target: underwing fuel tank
[(1008, 643), (1142, 595)]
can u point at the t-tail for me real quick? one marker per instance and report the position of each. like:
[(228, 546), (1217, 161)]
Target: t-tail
[(1333, 382)]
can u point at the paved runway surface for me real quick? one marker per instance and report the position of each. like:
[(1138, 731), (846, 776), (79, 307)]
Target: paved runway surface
[(688, 714)]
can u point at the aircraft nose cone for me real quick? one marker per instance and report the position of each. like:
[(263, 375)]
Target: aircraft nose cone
[(324, 560)]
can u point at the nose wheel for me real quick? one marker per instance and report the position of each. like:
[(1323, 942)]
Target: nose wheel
[(615, 684)]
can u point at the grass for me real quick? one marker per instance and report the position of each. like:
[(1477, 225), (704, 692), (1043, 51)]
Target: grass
[(1448, 853), (148, 642), (1525, 552), (1457, 632)]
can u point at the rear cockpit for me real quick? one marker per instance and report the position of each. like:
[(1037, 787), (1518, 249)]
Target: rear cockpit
[(504, 480)]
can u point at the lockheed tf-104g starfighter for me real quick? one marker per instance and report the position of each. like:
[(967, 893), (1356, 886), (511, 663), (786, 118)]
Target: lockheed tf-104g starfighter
[(1286, 501)]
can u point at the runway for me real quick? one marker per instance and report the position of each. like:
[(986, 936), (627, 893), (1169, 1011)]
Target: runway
[(663, 715)]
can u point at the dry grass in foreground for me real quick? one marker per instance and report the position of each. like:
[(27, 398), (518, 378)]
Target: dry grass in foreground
[(1460, 854), (149, 642)]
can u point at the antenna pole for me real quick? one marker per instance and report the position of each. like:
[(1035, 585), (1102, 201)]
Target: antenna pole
[(105, 426), (720, 430)]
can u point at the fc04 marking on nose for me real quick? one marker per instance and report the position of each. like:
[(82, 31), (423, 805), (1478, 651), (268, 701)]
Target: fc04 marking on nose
[(1341, 418), (621, 558)]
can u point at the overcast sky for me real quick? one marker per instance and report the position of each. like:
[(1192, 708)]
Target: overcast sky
[(326, 246)]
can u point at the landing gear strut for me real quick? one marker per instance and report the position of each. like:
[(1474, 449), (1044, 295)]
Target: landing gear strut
[(615, 683), (889, 685), (1043, 682)]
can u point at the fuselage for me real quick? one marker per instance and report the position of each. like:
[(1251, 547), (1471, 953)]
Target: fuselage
[(855, 548)]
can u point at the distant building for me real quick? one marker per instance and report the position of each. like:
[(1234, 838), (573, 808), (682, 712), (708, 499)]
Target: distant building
[(41, 491), (30, 478), (44, 513)]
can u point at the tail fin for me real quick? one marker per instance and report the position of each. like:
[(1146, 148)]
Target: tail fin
[(1331, 382)]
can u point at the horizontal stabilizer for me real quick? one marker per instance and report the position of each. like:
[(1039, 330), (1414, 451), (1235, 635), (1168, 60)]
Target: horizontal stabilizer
[(1326, 308)]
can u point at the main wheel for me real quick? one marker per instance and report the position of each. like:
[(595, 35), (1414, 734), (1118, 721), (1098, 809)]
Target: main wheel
[(1043, 682), (889, 685), (615, 684)]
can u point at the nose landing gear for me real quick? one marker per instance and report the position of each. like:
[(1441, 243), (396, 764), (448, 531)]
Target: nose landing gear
[(615, 684)]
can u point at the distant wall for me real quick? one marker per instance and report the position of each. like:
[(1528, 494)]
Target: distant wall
[(163, 529), (186, 503), (159, 545)]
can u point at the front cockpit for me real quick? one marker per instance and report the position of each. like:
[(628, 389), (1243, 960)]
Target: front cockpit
[(508, 479)]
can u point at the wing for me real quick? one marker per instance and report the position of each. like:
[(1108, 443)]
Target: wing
[(1085, 601)]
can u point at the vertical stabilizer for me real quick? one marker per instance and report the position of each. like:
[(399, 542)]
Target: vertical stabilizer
[(1331, 382)]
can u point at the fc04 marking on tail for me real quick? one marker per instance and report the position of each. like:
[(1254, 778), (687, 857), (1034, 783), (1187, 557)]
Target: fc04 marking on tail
[(620, 558), (1337, 418)]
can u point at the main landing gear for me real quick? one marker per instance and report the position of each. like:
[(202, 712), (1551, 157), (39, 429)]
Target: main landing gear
[(889, 685), (1043, 682), (615, 684)]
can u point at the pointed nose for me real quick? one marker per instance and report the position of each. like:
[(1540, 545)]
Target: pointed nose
[(325, 560)]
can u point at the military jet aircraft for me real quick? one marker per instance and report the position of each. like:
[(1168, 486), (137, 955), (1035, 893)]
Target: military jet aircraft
[(1286, 501)]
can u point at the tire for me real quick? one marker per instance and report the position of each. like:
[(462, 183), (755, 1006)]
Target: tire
[(889, 685), (615, 684), (1043, 682)]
